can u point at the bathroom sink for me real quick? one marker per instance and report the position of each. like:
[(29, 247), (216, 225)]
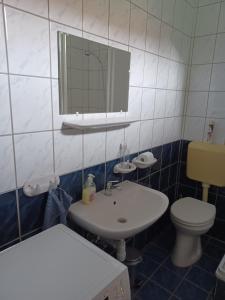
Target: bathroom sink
[(129, 210)]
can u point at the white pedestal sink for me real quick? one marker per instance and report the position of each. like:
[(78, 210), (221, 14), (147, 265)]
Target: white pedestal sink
[(129, 210)]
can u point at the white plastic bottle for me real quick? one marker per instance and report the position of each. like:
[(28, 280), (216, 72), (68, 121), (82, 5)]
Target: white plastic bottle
[(89, 190)]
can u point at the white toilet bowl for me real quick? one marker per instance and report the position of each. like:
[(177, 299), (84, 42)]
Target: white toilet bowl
[(192, 218)]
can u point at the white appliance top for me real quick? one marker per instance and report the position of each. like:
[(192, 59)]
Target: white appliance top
[(56, 264)]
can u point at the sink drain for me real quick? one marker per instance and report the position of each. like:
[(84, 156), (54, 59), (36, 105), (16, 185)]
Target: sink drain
[(122, 220)]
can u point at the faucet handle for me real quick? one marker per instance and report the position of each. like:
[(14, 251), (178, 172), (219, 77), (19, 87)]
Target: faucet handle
[(110, 186)]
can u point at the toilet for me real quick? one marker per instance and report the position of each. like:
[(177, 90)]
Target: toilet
[(191, 218)]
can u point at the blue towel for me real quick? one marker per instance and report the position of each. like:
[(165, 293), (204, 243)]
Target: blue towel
[(56, 209)]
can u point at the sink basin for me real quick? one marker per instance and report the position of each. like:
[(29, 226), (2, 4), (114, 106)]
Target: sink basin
[(129, 210)]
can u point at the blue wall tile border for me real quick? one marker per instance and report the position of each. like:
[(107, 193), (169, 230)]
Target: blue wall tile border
[(9, 227), (162, 176)]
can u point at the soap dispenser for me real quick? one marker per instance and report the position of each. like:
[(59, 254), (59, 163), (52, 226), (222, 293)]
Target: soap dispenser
[(89, 190)]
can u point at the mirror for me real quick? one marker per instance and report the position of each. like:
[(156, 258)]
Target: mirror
[(93, 78)]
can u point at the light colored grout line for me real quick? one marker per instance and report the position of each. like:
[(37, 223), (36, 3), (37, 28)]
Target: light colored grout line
[(106, 131), (82, 169), (210, 4), (160, 18), (69, 129), (51, 88), (210, 80), (157, 70), (143, 74), (191, 50), (12, 125), (82, 29)]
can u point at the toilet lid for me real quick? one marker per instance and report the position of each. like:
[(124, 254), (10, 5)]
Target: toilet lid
[(192, 211)]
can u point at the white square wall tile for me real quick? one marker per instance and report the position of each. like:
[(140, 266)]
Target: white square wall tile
[(160, 103), (216, 105), (221, 27), (150, 70), (137, 63), (39, 7), (181, 76), (170, 105), (54, 28), (34, 156), (162, 73), (7, 169), (31, 103), (218, 77), (153, 34), (68, 151), (148, 103), (141, 3), (179, 15), (119, 19), (28, 44), (197, 104), (5, 115), (220, 49), (172, 129), (146, 130), (138, 27), (168, 11), (95, 16), (113, 140), (57, 118), (3, 63), (165, 40), (189, 19), (176, 47), (203, 50), (207, 19), (194, 128), (206, 2), (68, 12), (158, 132), (185, 49), (180, 101), (168, 130), (94, 148), (173, 75), (132, 135), (200, 77), (134, 103), (155, 7)]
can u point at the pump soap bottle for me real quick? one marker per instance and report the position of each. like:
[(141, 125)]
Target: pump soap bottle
[(89, 190)]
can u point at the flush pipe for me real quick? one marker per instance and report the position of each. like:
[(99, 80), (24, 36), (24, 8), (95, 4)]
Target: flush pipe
[(205, 191), (120, 246)]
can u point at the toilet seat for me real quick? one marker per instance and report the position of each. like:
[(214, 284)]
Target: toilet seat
[(192, 212)]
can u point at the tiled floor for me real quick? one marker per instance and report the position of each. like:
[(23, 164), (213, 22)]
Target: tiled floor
[(161, 280)]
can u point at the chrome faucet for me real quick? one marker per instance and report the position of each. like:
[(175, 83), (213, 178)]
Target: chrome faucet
[(110, 186)]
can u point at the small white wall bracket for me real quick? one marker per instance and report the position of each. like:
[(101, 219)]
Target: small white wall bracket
[(42, 185)]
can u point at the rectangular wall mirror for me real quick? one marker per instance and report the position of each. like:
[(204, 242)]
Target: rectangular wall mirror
[(93, 78)]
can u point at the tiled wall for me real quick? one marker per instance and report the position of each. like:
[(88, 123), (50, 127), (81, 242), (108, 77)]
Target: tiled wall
[(206, 100), (158, 35)]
